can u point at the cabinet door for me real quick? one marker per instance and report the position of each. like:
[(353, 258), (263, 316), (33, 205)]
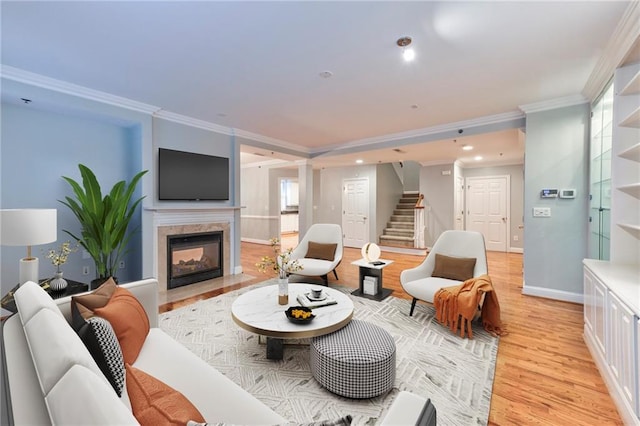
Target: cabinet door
[(599, 317), (588, 302), (622, 349)]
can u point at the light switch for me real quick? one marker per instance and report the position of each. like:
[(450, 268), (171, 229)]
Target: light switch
[(542, 212)]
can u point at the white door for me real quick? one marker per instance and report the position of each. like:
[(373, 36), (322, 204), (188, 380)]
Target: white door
[(355, 212), (458, 209), (487, 201)]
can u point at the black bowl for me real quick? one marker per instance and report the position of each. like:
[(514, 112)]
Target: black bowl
[(295, 320)]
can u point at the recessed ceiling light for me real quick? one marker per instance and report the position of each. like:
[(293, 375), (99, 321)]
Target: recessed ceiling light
[(414, 106), (477, 158), (467, 147), (326, 74), (359, 161)]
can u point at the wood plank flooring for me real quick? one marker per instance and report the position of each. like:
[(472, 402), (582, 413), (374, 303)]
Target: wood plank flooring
[(544, 373)]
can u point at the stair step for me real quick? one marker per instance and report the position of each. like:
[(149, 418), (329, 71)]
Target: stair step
[(405, 206), (396, 241), (406, 200), (400, 225), (401, 218), (399, 232), (403, 212)]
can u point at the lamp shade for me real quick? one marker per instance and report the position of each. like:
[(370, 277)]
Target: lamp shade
[(28, 227)]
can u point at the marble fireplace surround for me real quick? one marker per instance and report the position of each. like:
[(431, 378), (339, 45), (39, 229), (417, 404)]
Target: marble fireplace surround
[(167, 223)]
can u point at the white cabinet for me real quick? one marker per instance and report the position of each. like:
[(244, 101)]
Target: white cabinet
[(622, 347), (289, 222), (612, 330)]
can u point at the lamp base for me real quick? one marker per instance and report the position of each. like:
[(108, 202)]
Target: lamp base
[(28, 270)]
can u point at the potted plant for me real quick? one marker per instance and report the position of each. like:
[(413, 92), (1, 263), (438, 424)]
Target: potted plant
[(104, 220)]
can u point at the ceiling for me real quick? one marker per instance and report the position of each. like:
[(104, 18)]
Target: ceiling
[(256, 67)]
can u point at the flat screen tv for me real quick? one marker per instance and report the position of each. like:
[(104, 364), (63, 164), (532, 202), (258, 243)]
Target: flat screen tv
[(188, 176)]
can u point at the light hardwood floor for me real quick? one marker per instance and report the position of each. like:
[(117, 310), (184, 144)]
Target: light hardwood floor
[(544, 373)]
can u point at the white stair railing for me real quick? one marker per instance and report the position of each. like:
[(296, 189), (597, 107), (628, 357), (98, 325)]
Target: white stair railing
[(418, 222)]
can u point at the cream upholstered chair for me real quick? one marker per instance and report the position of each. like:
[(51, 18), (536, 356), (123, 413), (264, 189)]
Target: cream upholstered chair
[(420, 283), (315, 251)]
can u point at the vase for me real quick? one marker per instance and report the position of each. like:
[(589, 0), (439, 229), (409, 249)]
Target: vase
[(58, 283), (283, 289)]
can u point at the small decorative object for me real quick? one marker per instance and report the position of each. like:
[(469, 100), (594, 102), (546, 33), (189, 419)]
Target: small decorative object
[(299, 314), (370, 252), (281, 264), (59, 257)]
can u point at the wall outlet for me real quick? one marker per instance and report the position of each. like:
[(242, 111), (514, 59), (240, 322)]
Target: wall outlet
[(516, 238), (121, 264), (85, 270)]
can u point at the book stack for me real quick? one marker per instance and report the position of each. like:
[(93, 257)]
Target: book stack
[(304, 300), (370, 285)]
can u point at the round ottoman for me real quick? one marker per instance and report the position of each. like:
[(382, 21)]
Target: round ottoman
[(357, 361)]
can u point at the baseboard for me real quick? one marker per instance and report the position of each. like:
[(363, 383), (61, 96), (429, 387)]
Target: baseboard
[(255, 241), (404, 250), (516, 250), (549, 293)]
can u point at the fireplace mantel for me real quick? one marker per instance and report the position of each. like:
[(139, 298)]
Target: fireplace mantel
[(190, 209)]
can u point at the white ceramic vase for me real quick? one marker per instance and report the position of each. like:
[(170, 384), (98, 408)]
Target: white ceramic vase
[(283, 288), (58, 283)]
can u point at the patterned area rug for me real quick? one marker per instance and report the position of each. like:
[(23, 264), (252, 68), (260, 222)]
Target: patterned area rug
[(457, 374)]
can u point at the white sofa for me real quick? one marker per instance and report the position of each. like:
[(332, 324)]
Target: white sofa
[(51, 378)]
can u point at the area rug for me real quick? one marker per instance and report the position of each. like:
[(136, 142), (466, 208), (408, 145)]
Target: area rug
[(457, 374)]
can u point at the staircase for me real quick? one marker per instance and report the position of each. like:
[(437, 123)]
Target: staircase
[(399, 230)]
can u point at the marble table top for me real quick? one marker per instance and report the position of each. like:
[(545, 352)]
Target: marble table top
[(258, 311)]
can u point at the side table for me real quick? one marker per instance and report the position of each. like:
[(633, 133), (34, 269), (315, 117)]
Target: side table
[(368, 269), (73, 287)]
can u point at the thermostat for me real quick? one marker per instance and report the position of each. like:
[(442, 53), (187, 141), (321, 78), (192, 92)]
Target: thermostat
[(567, 193), (549, 193)]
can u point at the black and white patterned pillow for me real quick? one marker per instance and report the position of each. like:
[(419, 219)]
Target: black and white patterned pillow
[(99, 337)]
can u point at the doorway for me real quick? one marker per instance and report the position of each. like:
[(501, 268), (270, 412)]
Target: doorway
[(355, 212), (289, 223), (487, 202)]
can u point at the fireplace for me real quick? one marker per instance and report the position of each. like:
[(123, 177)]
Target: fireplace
[(193, 258)]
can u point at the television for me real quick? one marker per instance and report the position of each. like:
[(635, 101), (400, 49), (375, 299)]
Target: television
[(188, 176)]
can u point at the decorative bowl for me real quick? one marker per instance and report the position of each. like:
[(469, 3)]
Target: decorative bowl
[(299, 314)]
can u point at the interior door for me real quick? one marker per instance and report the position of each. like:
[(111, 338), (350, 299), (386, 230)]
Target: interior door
[(458, 212), (487, 201), (355, 212)]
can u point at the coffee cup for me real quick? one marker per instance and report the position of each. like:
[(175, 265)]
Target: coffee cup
[(316, 293)]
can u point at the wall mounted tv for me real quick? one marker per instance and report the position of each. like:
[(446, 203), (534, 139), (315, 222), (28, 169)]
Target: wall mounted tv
[(188, 176)]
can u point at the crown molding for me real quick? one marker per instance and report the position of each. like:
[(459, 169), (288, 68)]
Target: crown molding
[(270, 141), (193, 122), (617, 48), (427, 131), (38, 80), (554, 104)]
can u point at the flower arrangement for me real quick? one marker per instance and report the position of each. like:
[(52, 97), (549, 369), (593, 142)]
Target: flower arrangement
[(281, 263), (59, 257)]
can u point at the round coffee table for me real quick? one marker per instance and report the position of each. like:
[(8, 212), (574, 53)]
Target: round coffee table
[(258, 311)]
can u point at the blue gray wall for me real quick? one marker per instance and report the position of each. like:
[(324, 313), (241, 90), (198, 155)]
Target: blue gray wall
[(556, 155)]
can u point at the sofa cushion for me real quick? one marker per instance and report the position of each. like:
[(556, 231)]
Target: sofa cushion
[(321, 251), (31, 298), (123, 311), (453, 268), (55, 348), (81, 395), (167, 360), (155, 403)]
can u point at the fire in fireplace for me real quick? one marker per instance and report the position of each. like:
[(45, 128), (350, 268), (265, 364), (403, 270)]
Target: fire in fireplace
[(193, 258)]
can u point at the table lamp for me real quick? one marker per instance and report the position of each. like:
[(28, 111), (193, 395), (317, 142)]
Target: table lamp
[(28, 227)]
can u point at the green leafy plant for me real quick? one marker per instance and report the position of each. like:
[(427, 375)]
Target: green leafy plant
[(104, 220)]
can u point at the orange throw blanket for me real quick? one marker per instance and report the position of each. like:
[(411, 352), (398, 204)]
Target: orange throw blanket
[(457, 305)]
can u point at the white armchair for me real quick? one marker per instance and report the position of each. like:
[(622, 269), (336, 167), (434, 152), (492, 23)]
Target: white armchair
[(318, 259), (419, 283)]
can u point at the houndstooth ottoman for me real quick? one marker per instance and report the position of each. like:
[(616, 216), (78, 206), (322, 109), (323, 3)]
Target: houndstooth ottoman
[(357, 361)]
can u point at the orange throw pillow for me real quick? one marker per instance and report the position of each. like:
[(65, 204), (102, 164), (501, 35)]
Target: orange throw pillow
[(153, 402), (129, 321)]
